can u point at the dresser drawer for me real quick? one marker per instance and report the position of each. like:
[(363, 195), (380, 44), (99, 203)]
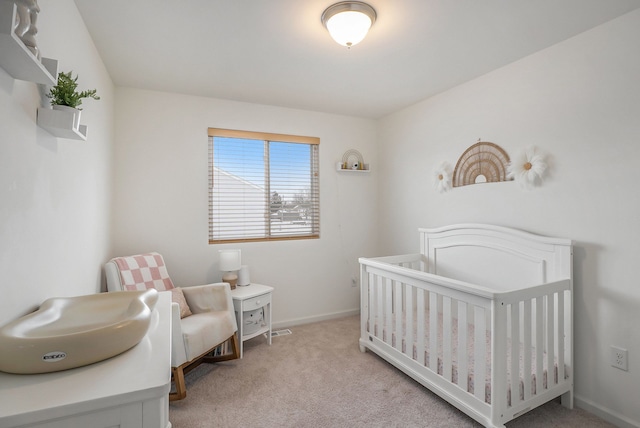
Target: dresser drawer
[(256, 302)]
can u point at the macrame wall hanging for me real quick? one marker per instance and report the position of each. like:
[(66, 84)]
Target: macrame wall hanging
[(483, 162)]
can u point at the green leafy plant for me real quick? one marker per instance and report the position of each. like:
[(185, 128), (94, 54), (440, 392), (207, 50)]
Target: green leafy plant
[(64, 93)]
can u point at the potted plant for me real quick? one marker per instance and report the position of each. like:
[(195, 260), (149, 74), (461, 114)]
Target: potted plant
[(65, 96)]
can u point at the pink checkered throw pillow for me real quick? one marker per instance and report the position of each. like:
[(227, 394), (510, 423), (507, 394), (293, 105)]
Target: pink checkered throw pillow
[(143, 271)]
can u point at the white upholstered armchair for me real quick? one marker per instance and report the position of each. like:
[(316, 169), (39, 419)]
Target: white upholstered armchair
[(202, 317)]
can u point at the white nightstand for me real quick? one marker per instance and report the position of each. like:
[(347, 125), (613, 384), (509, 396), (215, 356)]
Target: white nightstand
[(246, 301)]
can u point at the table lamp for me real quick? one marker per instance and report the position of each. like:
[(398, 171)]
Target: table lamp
[(230, 263)]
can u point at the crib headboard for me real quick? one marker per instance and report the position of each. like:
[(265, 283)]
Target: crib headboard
[(496, 257)]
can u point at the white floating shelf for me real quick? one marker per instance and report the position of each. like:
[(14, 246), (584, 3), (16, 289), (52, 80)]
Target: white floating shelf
[(60, 124), (15, 58), (339, 167)]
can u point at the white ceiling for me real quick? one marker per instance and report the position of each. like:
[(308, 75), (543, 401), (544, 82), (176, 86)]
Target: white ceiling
[(277, 52)]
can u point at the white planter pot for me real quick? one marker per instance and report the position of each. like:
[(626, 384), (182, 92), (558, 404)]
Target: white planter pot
[(72, 111)]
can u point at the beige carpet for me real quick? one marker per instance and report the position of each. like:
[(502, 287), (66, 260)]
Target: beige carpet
[(317, 377)]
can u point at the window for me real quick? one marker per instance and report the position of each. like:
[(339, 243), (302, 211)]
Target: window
[(262, 186)]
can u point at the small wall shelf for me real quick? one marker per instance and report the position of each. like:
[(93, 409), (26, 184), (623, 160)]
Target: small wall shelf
[(340, 167), (352, 161), (15, 58), (60, 124)]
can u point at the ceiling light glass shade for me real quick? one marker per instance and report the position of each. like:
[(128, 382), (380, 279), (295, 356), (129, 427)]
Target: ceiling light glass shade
[(348, 22)]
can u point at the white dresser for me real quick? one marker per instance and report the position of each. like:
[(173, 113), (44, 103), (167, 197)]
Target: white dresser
[(130, 390)]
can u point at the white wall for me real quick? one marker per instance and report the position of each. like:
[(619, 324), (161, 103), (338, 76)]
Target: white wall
[(579, 101), (54, 193), (161, 198)]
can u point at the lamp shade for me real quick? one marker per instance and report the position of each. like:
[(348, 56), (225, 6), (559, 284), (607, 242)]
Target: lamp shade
[(348, 22), (230, 260)]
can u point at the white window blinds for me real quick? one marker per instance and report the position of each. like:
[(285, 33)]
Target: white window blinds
[(262, 186)]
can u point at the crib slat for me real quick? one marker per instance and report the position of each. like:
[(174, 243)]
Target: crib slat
[(515, 353), (499, 382), (409, 329), (550, 330), (420, 330), (447, 332), (372, 309), (364, 303), (560, 336), (539, 343), (398, 314), (480, 352), (372, 304), (388, 311), (463, 372), (433, 332), (526, 372), (379, 307)]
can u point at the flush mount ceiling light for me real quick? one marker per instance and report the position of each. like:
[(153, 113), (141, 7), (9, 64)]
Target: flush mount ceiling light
[(348, 21)]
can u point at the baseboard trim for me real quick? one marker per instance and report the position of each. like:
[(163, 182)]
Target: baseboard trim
[(308, 320), (604, 413)]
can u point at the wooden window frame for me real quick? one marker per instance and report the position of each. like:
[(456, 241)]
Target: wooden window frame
[(267, 138)]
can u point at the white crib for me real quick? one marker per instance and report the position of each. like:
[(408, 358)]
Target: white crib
[(493, 304)]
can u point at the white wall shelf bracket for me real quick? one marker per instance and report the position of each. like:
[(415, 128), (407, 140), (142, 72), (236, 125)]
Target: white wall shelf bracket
[(15, 58), (60, 124)]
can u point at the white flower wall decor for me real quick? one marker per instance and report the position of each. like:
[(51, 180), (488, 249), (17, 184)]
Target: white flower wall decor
[(443, 177), (528, 168)]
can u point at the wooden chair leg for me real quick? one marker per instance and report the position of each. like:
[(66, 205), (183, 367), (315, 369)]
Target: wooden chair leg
[(235, 346), (178, 380), (177, 373)]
